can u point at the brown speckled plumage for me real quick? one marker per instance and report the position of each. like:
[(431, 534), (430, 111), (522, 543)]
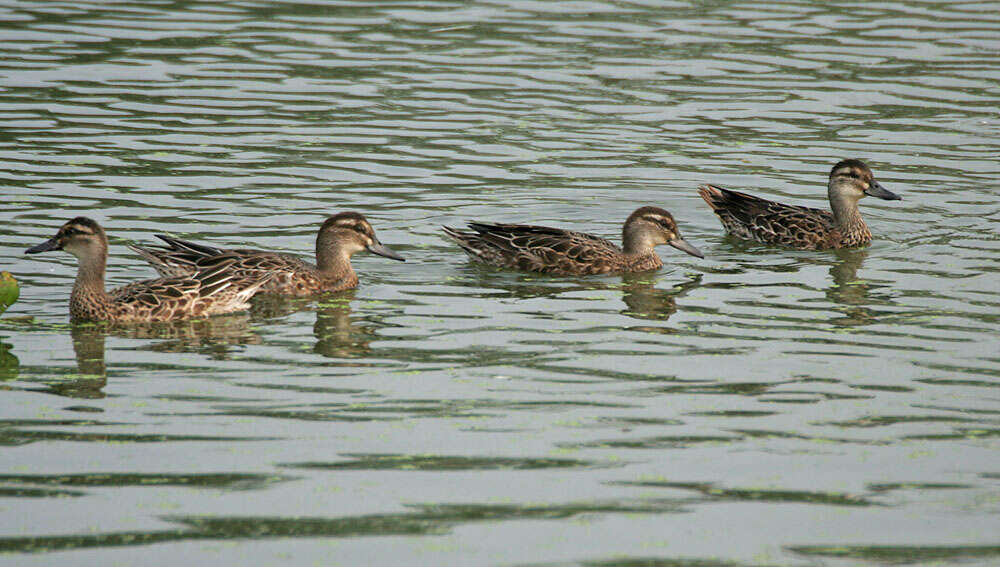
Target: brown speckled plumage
[(806, 228), (563, 252), (211, 291), (341, 236)]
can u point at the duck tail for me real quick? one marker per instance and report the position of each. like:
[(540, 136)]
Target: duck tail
[(463, 239), (716, 197)]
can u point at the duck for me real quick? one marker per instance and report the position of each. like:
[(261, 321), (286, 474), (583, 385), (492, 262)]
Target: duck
[(340, 237), (805, 228), (564, 252), (212, 291)]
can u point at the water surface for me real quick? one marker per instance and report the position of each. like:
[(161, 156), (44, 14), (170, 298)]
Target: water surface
[(759, 407)]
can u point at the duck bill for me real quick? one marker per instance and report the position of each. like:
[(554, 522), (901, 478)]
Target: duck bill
[(48, 245), (378, 248), (683, 246), (875, 189)]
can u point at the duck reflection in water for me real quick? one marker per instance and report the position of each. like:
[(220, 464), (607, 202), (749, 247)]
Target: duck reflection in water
[(643, 299), (337, 334), (646, 301), (212, 336), (847, 290), (87, 382)]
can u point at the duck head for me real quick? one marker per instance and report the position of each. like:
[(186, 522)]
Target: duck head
[(852, 179), (648, 227), (81, 237), (348, 233)]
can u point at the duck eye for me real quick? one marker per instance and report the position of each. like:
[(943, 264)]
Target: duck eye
[(664, 223)]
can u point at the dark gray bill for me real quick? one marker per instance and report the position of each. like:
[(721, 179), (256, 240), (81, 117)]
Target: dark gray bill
[(683, 246), (50, 244), (875, 189), (378, 248)]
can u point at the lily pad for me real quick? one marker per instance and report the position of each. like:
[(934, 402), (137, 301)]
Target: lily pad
[(9, 291)]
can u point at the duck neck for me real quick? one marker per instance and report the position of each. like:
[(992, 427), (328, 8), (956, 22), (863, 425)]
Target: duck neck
[(846, 214), (636, 243), (334, 265), (332, 259), (89, 286)]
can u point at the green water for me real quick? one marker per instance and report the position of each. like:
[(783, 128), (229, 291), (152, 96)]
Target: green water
[(760, 407)]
